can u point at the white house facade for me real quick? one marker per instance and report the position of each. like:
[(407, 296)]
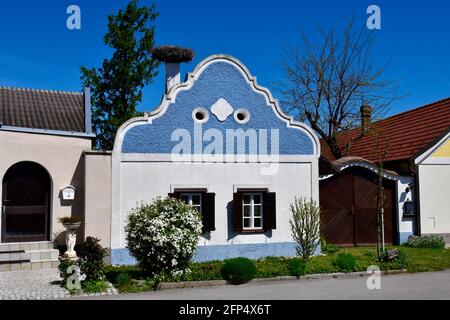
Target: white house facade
[(433, 170), (219, 142)]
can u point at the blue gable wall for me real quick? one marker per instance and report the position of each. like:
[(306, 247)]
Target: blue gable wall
[(218, 80)]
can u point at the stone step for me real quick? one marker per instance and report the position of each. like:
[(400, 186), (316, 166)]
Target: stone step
[(31, 255), (30, 265), (28, 256), (26, 246)]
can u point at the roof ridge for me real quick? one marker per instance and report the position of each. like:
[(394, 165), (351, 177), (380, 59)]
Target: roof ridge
[(413, 110), (40, 90)]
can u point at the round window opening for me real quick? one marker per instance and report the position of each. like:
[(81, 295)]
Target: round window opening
[(200, 115), (242, 116)]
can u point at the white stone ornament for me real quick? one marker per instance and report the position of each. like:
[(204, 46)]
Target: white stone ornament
[(221, 109)]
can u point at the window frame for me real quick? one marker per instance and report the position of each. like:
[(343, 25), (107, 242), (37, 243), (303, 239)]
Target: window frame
[(190, 195), (252, 211)]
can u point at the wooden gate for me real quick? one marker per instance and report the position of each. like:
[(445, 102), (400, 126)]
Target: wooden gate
[(25, 207), (348, 202)]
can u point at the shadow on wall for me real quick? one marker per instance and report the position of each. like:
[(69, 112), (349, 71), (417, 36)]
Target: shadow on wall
[(77, 205)]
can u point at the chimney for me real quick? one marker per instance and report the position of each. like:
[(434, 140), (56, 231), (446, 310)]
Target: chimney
[(366, 119), (172, 75), (87, 111), (172, 56)]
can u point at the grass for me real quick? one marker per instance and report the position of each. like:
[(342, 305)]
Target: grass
[(419, 260)]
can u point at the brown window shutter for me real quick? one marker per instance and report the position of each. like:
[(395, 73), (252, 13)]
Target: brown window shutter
[(269, 211), (237, 212), (175, 195), (208, 212)]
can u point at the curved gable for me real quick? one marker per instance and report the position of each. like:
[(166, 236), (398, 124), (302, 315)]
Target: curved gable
[(218, 78)]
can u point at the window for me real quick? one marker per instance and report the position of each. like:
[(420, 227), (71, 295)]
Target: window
[(203, 201), (192, 199), (252, 208)]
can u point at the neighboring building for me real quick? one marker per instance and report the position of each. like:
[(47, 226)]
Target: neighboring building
[(43, 135), (220, 143), (415, 180), (433, 175)]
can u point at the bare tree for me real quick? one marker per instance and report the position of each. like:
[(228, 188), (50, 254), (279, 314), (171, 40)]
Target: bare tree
[(382, 152), (329, 77)]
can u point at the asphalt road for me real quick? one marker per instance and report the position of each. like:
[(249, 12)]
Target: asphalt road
[(434, 285)]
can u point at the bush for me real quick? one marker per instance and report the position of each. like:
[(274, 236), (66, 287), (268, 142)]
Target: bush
[(297, 267), (94, 286), (305, 226), (345, 262), (431, 241), (328, 248), (163, 236), (395, 262), (123, 280), (91, 260), (238, 270)]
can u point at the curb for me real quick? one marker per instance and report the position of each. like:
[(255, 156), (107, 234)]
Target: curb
[(318, 276)]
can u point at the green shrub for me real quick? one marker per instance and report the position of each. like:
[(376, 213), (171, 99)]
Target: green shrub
[(123, 280), (305, 226), (297, 267), (431, 241), (91, 259), (328, 248), (163, 236), (345, 262), (270, 267), (401, 261), (111, 272), (94, 286), (238, 270)]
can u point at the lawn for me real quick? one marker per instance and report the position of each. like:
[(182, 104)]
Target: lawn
[(419, 260)]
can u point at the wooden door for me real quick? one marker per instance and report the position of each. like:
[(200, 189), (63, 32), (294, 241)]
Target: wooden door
[(348, 202), (25, 203)]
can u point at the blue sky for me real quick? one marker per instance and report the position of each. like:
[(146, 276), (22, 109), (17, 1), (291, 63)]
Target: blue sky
[(38, 51)]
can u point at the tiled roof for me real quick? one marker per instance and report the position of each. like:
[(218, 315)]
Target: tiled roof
[(42, 109), (406, 134)]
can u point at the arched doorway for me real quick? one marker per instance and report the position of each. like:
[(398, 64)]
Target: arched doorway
[(26, 203)]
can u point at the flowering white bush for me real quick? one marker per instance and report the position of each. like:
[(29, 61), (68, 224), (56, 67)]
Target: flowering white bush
[(163, 236)]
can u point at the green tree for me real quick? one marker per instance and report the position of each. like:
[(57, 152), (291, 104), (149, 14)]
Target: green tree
[(117, 85)]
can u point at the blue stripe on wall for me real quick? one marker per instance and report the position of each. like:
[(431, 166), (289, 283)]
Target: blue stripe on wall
[(220, 252)]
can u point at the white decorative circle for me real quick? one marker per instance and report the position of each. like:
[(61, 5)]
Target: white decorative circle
[(200, 115), (242, 116)]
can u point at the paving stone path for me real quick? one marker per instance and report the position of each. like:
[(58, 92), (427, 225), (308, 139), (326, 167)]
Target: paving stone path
[(27, 285)]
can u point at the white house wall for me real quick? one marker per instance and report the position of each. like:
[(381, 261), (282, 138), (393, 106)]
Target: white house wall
[(143, 166), (434, 189)]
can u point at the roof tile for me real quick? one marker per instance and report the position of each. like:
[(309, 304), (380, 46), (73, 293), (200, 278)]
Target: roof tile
[(407, 133)]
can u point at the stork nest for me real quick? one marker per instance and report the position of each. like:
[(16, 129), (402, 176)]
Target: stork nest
[(173, 54)]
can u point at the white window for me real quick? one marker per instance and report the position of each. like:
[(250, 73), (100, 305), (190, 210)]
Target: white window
[(252, 208), (192, 199)]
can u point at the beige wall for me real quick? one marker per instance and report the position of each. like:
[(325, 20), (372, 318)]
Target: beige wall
[(62, 157), (434, 191), (98, 196)]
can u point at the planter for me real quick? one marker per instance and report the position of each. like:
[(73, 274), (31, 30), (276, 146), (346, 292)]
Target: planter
[(71, 239)]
